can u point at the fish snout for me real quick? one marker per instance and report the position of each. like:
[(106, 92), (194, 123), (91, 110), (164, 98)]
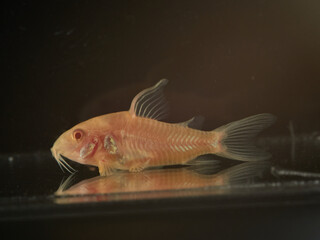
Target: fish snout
[(54, 153)]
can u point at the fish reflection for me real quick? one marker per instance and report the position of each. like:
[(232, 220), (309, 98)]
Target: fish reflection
[(164, 179)]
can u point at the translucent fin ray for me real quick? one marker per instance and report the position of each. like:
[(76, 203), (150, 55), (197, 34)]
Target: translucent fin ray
[(237, 138), (244, 172), (204, 164), (150, 103), (196, 122)]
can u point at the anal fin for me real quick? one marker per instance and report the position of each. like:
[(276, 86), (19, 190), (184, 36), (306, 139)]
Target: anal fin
[(204, 164)]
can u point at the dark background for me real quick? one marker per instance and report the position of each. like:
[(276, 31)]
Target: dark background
[(66, 61), (63, 62)]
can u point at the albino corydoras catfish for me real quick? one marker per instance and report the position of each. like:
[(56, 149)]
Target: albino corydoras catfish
[(134, 140)]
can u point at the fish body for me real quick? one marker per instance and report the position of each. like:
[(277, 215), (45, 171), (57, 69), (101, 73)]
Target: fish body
[(146, 142), (134, 140)]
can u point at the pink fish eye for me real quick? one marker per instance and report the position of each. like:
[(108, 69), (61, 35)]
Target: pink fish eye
[(77, 134)]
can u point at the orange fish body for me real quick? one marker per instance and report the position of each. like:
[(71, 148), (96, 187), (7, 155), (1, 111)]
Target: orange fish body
[(134, 140), (135, 143)]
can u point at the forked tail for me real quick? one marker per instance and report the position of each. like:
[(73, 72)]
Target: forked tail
[(237, 138)]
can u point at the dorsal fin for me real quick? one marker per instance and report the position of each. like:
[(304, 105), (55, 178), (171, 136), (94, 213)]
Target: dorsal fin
[(150, 103), (196, 122)]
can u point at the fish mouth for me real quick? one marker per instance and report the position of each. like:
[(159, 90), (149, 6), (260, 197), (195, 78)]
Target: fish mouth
[(61, 160)]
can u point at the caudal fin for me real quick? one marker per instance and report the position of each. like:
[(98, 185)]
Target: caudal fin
[(237, 138)]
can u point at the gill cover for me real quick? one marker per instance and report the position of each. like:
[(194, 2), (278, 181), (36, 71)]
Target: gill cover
[(88, 148)]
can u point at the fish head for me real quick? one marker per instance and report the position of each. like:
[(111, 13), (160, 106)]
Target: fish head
[(78, 144)]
